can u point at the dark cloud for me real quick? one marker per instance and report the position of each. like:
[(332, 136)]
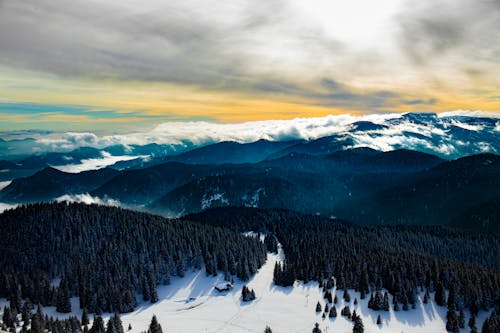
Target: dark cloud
[(265, 47), (430, 101), (466, 30)]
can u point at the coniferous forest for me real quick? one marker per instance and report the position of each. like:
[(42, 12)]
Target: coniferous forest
[(106, 256), (460, 268)]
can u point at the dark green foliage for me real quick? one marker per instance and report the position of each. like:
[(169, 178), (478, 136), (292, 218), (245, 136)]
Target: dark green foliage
[(440, 296), (400, 259), (452, 321), (271, 243), (247, 294), (461, 319), (97, 325), (154, 327), (268, 330), (347, 296), (472, 322), (318, 307), (333, 312), (358, 325), (346, 312), (492, 323), (85, 317), (63, 304), (316, 328), (106, 255)]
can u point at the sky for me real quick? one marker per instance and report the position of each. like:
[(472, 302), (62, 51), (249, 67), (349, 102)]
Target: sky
[(112, 66)]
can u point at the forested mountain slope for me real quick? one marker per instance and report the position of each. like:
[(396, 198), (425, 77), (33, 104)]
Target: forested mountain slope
[(106, 255)]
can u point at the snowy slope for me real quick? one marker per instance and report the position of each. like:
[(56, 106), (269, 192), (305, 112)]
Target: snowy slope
[(191, 304)]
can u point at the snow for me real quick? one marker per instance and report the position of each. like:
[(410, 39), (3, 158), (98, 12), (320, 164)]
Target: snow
[(5, 206), (253, 200), (191, 304), (208, 200), (4, 184)]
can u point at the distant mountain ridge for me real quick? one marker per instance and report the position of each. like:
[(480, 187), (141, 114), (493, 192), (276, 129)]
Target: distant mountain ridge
[(362, 185)]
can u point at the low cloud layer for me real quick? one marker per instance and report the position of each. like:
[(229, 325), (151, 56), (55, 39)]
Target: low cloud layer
[(88, 199), (94, 163), (450, 134)]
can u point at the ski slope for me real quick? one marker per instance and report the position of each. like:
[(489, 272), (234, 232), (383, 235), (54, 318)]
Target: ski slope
[(191, 304)]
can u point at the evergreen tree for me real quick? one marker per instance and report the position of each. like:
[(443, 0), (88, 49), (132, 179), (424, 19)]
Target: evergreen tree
[(85, 317), (461, 319), (268, 330), (36, 326), (440, 296), (98, 325), (154, 327), (333, 312), (63, 304), (452, 321), (316, 328), (358, 325), (318, 307), (379, 320)]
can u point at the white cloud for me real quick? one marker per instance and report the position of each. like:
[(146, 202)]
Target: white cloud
[(88, 199), (183, 134), (95, 163), (430, 133), (469, 113)]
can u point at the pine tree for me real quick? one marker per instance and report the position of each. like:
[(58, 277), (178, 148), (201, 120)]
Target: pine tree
[(358, 326), (110, 328), (98, 325), (154, 327), (316, 328), (333, 312), (117, 323), (386, 302), (461, 319), (452, 321), (36, 326), (85, 317), (472, 321), (379, 320), (440, 296), (426, 296), (63, 303), (268, 330), (347, 297), (451, 298), (318, 307)]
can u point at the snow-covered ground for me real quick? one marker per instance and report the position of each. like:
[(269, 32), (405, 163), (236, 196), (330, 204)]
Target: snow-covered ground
[(5, 206), (191, 304), (4, 184)]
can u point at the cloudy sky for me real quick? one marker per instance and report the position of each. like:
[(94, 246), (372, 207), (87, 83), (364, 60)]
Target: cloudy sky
[(111, 66)]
